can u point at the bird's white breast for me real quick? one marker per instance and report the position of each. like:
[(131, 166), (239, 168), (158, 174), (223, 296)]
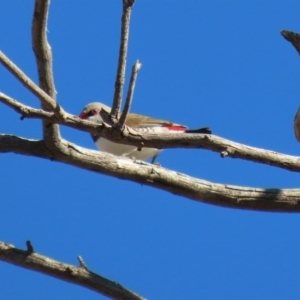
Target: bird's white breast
[(132, 151), (126, 150)]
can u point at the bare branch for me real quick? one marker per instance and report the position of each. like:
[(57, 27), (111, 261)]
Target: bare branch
[(28, 83), (224, 147), (278, 200), (66, 272), (43, 56), (292, 37), (135, 69), (120, 77), (26, 111), (42, 49), (297, 125)]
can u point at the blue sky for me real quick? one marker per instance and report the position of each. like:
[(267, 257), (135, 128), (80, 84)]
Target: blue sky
[(221, 64)]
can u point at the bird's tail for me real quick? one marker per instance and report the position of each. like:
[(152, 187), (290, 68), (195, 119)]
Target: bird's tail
[(200, 130)]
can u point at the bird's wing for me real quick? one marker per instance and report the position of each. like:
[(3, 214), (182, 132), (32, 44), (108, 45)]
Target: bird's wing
[(135, 120)]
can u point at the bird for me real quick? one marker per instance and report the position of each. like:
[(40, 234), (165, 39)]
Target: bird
[(99, 113)]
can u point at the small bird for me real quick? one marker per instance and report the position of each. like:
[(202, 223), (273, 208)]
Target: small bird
[(99, 112)]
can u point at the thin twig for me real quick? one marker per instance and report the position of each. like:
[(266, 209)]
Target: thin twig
[(82, 264), (135, 69), (30, 249), (26, 111), (120, 76), (66, 272), (27, 82)]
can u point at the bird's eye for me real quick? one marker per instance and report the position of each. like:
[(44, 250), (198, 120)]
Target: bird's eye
[(92, 112)]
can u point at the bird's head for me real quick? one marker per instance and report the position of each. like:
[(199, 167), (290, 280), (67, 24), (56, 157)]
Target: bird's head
[(93, 111)]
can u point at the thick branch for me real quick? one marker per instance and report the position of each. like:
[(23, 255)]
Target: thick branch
[(43, 56), (120, 77), (280, 200), (225, 147), (77, 275)]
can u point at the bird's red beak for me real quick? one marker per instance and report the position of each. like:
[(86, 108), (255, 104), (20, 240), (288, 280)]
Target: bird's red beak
[(83, 115)]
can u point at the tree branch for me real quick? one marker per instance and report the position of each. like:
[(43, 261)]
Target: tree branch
[(26, 111), (224, 147), (135, 69), (76, 275), (43, 56), (297, 125), (120, 77), (279, 200), (29, 84), (293, 38), (82, 263)]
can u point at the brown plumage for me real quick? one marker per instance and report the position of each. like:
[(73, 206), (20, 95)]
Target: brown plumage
[(99, 112)]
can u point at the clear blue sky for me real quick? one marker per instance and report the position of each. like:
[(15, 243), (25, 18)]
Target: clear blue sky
[(221, 64)]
